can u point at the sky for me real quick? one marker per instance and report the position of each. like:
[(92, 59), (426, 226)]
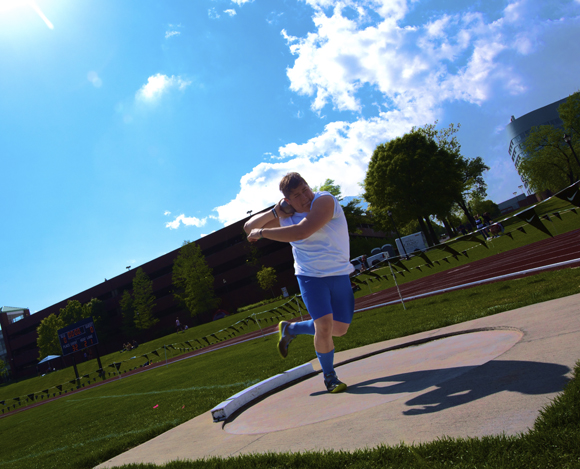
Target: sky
[(128, 127)]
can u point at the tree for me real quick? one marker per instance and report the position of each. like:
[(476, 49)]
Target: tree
[(472, 169), (481, 206), (48, 342), (72, 312), (4, 369), (550, 162), (329, 186), (267, 278), (193, 280), (355, 215), (128, 312), (143, 301), (412, 177)]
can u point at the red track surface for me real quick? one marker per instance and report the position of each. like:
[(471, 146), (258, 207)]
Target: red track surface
[(549, 251), (561, 248)]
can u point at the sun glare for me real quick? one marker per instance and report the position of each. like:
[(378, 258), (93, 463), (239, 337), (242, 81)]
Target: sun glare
[(10, 5)]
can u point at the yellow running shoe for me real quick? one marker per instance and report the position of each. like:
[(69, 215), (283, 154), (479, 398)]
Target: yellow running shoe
[(284, 339)]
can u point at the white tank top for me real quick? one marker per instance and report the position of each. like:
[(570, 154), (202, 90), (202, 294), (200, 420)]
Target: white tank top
[(325, 253)]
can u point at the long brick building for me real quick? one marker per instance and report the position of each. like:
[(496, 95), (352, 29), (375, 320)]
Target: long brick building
[(226, 251)]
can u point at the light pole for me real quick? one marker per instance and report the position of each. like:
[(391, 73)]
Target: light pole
[(521, 188), (390, 214), (568, 140)]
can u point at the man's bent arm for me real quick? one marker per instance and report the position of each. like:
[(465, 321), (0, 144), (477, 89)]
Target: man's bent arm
[(321, 213)]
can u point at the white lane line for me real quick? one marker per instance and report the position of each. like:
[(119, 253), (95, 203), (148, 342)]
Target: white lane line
[(478, 282)]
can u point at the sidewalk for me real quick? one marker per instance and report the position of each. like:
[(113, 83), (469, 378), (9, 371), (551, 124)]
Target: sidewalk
[(482, 377)]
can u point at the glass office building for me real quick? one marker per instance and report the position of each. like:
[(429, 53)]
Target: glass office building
[(518, 129)]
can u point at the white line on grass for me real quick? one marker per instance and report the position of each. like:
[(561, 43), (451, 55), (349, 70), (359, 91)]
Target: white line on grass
[(193, 388), (478, 282)]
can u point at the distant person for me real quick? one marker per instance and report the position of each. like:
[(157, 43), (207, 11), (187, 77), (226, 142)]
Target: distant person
[(177, 324), (462, 229), (486, 219), (364, 263), (480, 227)]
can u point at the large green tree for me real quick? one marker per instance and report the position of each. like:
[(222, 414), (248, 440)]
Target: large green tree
[(412, 177), (550, 162), (193, 280), (472, 169), (143, 301), (47, 341)]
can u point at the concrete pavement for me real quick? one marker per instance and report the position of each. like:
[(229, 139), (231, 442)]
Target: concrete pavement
[(488, 376)]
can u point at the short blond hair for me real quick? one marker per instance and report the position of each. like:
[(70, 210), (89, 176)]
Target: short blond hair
[(290, 182)]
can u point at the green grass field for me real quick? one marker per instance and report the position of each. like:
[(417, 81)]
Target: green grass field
[(82, 430)]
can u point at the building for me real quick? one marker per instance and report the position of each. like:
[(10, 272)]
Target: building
[(518, 129), (9, 315), (226, 251)]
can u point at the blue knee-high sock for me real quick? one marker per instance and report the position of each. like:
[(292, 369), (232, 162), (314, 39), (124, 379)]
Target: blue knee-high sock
[(326, 362), (302, 327)]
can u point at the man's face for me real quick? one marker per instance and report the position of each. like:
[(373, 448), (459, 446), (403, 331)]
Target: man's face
[(301, 198)]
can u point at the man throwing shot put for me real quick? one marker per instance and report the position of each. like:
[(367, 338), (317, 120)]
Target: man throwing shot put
[(318, 233)]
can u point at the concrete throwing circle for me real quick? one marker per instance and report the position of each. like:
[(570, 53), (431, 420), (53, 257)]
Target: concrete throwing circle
[(374, 381)]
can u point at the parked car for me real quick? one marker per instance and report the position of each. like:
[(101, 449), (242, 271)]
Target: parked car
[(389, 250), (371, 261)]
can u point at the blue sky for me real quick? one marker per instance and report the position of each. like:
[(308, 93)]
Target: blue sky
[(127, 127)]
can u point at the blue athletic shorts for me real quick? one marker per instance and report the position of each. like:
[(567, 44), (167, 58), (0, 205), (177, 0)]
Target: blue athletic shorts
[(328, 295)]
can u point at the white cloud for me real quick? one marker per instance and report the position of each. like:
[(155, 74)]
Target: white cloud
[(213, 14), (416, 70), (187, 221), (169, 34), (158, 84), (167, 213), (241, 2), (230, 12), (341, 152)]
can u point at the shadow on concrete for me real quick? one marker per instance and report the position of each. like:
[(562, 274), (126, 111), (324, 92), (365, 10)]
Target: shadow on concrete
[(460, 385)]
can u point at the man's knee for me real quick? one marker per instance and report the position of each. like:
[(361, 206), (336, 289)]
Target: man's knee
[(340, 329), (323, 326)]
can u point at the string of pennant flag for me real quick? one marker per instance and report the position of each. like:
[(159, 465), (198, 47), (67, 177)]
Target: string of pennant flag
[(295, 305), (529, 217)]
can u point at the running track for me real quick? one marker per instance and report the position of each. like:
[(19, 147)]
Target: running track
[(564, 247)]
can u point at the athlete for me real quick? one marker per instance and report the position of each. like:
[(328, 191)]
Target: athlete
[(318, 233)]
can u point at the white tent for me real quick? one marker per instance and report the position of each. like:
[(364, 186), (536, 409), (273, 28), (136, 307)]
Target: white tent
[(48, 358)]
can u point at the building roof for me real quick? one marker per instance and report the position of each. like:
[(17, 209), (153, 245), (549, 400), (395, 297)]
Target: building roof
[(10, 309)]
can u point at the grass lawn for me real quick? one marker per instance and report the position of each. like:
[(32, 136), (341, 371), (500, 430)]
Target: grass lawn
[(82, 430), (475, 251), (134, 359)]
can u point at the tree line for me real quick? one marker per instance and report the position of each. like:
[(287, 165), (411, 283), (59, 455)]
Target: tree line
[(192, 288)]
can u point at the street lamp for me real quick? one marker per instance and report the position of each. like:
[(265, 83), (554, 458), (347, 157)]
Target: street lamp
[(568, 140), (521, 188), (390, 214)]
